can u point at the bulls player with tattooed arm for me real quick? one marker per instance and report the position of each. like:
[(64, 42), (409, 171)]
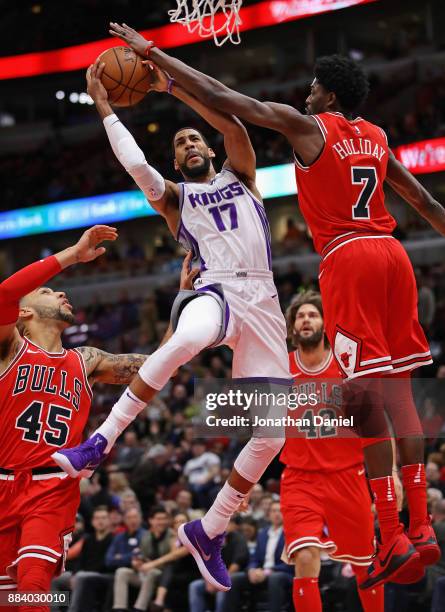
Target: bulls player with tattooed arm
[(221, 217), (366, 279), (44, 404), (324, 494)]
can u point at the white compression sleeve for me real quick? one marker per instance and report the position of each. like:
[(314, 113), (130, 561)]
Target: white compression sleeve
[(124, 146)]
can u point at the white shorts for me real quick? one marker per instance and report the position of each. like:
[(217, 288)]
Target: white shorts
[(256, 330)]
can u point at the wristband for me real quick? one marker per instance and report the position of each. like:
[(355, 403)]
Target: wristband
[(170, 84), (148, 48)]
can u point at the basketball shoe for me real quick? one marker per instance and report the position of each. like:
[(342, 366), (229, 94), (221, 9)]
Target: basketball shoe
[(424, 541), (82, 460), (396, 561), (207, 554)]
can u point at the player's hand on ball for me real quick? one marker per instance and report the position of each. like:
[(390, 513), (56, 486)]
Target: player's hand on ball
[(159, 78), (136, 41), (95, 86), (187, 275), (86, 249)]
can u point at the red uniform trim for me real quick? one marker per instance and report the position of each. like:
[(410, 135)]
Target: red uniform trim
[(340, 241)]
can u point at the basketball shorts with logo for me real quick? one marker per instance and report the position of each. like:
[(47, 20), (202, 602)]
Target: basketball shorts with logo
[(330, 511), (37, 516), (256, 329), (370, 307)]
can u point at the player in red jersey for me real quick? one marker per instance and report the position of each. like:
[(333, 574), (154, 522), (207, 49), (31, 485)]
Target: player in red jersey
[(320, 468), (366, 279), (44, 404)]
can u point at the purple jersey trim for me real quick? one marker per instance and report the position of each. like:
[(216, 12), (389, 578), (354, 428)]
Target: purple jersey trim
[(266, 228), (192, 243)]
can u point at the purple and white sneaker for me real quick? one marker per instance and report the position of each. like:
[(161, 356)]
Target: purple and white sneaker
[(82, 460), (207, 554)]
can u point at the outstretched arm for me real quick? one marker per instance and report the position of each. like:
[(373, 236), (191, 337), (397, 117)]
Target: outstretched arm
[(280, 117), (163, 195), (239, 150), (409, 188), (33, 276)]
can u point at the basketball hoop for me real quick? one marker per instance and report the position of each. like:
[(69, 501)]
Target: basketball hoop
[(217, 18)]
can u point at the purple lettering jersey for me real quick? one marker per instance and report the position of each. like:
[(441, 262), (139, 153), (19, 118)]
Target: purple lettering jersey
[(224, 224)]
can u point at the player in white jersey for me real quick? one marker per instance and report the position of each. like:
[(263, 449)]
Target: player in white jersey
[(219, 216)]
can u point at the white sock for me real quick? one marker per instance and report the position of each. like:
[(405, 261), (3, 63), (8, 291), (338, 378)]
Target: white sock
[(218, 516), (124, 411)]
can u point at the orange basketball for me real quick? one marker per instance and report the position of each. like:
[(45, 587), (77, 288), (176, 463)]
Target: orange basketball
[(124, 77)]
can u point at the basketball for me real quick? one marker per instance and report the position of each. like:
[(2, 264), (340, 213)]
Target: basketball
[(124, 77)]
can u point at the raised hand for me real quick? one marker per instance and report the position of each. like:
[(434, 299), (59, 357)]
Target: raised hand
[(135, 40), (95, 86), (86, 248), (159, 78)]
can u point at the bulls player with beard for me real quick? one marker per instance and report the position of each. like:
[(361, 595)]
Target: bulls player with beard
[(324, 493), (44, 404), (366, 279)]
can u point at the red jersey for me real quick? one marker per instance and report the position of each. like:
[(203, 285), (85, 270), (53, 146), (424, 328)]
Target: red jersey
[(44, 404), (318, 448), (342, 190)]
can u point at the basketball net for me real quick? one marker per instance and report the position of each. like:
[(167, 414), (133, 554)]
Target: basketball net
[(217, 18)]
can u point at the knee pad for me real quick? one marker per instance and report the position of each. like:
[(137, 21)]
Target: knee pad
[(198, 326), (254, 458)]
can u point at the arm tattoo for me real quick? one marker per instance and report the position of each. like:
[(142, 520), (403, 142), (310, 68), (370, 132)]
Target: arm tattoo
[(112, 369)]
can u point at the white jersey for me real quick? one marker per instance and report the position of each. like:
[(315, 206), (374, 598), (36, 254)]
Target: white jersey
[(224, 224)]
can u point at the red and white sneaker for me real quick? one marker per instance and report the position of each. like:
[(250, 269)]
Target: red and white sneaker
[(424, 541), (395, 561)]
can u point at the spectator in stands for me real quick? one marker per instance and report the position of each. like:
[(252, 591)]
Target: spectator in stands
[(436, 573), (184, 501), (128, 452), (153, 471), (432, 474), (122, 547), (266, 570), (235, 554), (72, 565), (293, 234), (178, 571), (128, 501), (202, 472), (93, 578), (249, 528), (153, 544), (255, 500), (116, 521)]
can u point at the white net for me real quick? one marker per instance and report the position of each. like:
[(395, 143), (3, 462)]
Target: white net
[(217, 18)]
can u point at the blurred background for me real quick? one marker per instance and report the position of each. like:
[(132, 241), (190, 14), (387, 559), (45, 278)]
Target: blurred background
[(53, 149)]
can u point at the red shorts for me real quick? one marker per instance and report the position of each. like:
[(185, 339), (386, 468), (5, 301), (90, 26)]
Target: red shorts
[(370, 306), (37, 515), (328, 510)]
